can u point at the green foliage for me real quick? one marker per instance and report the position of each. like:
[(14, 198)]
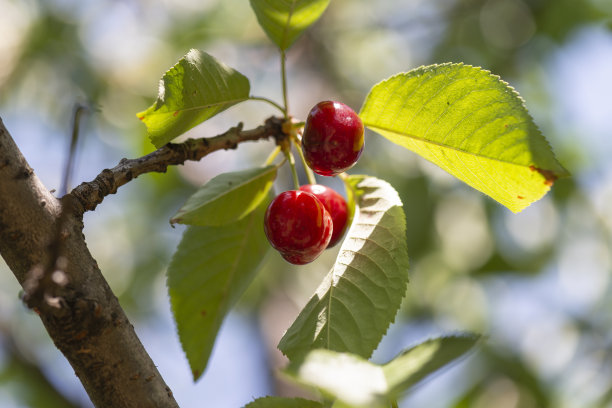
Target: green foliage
[(354, 305), (284, 20), (355, 382), (352, 195), (280, 402), (351, 380), (414, 364), (471, 124), (209, 271), (194, 90), (53, 47), (227, 197)]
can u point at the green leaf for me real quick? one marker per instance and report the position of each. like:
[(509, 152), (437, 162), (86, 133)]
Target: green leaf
[(470, 123), (194, 90), (284, 20), (355, 382), (227, 197), (209, 271), (280, 402), (351, 196), (352, 380), (354, 305), (415, 364)]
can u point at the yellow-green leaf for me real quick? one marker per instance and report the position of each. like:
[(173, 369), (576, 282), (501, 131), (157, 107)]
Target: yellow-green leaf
[(194, 90), (470, 123), (284, 20), (420, 361), (355, 382)]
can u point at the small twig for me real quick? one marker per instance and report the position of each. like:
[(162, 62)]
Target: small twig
[(79, 110), (90, 194)]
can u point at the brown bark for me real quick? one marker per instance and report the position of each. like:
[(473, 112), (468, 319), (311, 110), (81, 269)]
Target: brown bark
[(92, 193), (76, 305), (83, 317)]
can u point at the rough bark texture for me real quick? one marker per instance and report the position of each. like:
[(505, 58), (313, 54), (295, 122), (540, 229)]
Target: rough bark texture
[(42, 242), (83, 317), (92, 193), (27, 210)]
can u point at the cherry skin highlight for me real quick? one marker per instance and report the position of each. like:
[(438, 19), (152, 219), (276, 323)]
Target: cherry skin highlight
[(333, 138), (298, 226), (335, 205)]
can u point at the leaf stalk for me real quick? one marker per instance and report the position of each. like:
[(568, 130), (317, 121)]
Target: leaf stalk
[(272, 156), (269, 101), (309, 173), (284, 82), (291, 159)]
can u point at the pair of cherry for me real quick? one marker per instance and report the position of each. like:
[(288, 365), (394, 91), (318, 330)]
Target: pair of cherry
[(302, 223)]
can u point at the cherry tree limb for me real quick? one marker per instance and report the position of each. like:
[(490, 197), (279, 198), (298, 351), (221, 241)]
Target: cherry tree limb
[(66, 288), (90, 194), (80, 312)]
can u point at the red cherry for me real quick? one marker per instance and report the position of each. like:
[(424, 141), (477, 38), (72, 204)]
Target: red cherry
[(335, 205), (333, 138), (298, 226)]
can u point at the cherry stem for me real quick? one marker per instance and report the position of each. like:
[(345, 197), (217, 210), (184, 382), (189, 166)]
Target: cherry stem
[(309, 173), (289, 156), (272, 156), (270, 101), (284, 83)]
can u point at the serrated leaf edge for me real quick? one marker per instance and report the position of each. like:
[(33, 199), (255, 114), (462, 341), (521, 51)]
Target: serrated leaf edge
[(327, 285), (175, 219), (197, 374), (509, 88)]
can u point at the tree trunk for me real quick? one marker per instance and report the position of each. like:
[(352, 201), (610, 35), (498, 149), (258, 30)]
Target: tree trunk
[(75, 303)]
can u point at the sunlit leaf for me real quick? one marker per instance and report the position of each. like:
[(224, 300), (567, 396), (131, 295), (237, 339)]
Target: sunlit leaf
[(227, 197), (194, 90), (280, 402), (351, 197), (209, 271), (284, 20), (471, 124), (351, 379), (415, 364), (357, 301), (357, 383)]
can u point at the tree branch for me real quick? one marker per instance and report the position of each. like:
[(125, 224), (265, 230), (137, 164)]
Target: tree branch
[(42, 242), (90, 194), (83, 317)]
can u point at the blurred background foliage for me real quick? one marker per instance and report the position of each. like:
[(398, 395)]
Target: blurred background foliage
[(537, 283)]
